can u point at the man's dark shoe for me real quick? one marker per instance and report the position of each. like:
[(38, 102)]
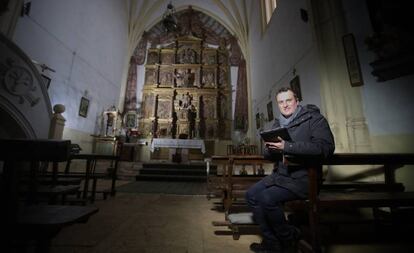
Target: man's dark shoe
[(265, 247), (291, 245)]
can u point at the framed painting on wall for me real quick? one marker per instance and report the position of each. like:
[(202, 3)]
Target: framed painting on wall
[(257, 120), (83, 107), (130, 119), (269, 111), (352, 60)]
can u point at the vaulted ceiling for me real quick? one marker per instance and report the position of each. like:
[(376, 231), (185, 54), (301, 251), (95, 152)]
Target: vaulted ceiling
[(212, 19), (195, 23)]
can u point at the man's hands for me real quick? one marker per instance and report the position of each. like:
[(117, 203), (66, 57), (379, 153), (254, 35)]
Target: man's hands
[(276, 145)]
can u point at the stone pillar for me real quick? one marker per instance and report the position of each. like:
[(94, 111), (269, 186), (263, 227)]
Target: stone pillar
[(57, 123), (342, 104)]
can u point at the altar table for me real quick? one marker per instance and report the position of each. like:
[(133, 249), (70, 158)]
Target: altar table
[(178, 143)]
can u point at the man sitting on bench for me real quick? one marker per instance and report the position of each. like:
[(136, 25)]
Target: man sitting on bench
[(311, 135)]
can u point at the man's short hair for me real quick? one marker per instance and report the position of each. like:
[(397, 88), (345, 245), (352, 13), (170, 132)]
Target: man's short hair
[(285, 89)]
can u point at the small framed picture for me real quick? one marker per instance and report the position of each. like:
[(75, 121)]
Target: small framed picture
[(131, 119), (295, 86), (46, 81), (352, 60), (269, 111), (83, 107)]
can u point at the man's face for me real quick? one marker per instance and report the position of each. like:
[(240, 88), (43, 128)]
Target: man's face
[(287, 103)]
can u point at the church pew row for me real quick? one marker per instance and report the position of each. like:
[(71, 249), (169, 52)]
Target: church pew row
[(350, 194), (91, 174), (220, 186), (23, 219)]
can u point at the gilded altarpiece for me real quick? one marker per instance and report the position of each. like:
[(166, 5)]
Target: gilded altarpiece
[(187, 93)]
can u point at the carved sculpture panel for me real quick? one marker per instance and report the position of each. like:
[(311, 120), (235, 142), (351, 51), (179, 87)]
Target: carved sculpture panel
[(209, 77), (209, 107), (166, 76), (164, 110), (209, 57), (187, 77), (153, 56), (223, 57), (151, 76), (223, 76), (148, 105), (167, 56)]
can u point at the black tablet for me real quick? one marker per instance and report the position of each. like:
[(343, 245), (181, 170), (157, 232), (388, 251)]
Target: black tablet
[(271, 135)]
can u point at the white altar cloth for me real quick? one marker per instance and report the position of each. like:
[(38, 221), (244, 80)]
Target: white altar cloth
[(178, 143)]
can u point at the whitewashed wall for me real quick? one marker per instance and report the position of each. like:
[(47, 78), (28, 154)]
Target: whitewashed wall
[(287, 44), (388, 105), (85, 42)]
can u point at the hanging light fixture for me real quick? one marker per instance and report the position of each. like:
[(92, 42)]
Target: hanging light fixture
[(169, 19)]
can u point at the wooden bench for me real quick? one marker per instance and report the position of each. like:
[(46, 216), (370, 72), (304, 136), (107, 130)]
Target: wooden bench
[(315, 201), (339, 195), (22, 219), (90, 173)]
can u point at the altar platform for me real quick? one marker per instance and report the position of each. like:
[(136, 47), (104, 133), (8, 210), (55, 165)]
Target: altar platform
[(179, 148)]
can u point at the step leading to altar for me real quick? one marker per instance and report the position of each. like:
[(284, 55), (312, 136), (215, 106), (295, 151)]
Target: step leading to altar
[(164, 171)]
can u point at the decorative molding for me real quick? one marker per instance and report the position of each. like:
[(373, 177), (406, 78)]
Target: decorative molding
[(18, 81), (23, 95)]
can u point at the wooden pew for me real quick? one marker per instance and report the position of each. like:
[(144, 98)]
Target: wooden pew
[(90, 173), (386, 194), (20, 218), (316, 201)]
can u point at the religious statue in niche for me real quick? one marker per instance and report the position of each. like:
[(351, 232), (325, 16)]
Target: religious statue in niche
[(182, 104), (192, 115), (179, 77), (113, 124), (186, 100), (174, 124)]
